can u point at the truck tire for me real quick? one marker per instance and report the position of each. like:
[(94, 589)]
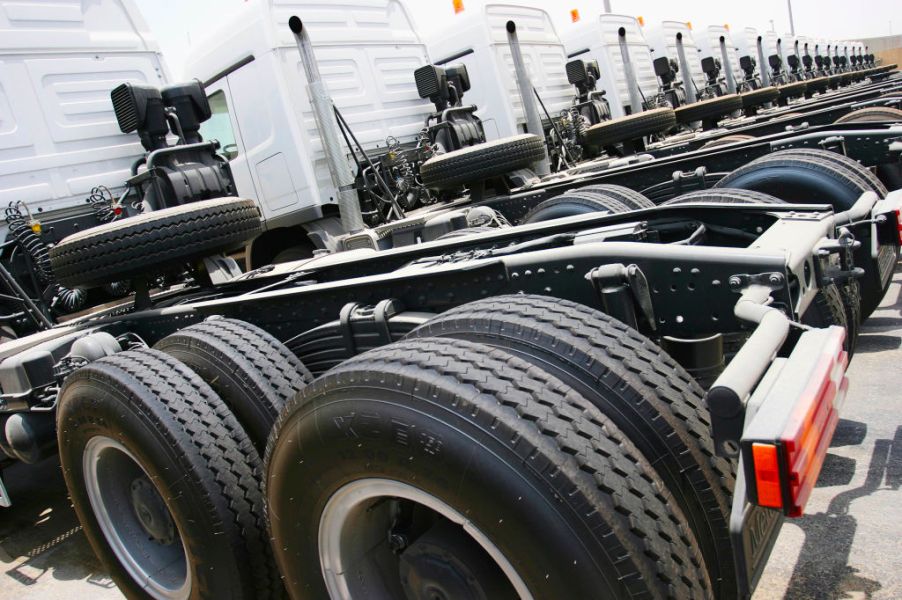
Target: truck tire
[(727, 139), (801, 179), (798, 175), (872, 114), (712, 108), (632, 199), (490, 437), (834, 307), (656, 404), (792, 90), (759, 96), (482, 161), (631, 127), (573, 203), (724, 196), (149, 243), (253, 372), (870, 179), (164, 480)]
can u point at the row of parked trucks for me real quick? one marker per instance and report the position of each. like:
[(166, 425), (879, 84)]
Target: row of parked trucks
[(509, 314)]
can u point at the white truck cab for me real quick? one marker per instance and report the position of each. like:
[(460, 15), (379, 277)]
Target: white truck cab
[(607, 38), (844, 51), (822, 48), (792, 44), (367, 53), (716, 42), (59, 138), (770, 41), (478, 39), (748, 42), (806, 45), (833, 47), (674, 40)]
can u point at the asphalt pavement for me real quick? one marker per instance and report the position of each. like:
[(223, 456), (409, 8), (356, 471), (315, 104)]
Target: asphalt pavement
[(847, 546)]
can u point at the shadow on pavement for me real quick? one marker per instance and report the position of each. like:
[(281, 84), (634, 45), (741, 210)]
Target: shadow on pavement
[(40, 535), (875, 342), (823, 570)]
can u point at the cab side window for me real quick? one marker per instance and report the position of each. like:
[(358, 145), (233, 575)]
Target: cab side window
[(219, 125)]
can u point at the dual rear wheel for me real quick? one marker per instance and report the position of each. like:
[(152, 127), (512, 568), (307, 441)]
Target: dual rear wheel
[(539, 436), (162, 451), (422, 469)]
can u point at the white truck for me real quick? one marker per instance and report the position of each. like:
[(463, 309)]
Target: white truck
[(58, 135), (77, 82), (674, 40), (63, 158), (751, 44), (610, 39), (262, 113), (478, 39), (716, 43)]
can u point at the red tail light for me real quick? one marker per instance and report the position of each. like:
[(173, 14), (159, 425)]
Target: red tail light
[(899, 223), (782, 469), (808, 434)]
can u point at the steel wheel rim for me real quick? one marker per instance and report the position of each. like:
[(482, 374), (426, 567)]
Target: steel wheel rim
[(345, 510), (162, 572)]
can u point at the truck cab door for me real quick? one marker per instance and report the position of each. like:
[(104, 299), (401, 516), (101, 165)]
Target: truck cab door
[(223, 126)]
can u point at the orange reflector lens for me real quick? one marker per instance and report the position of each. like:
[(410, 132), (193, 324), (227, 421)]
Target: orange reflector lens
[(458, 6), (767, 475), (726, 26), (641, 21), (574, 15), (689, 25)]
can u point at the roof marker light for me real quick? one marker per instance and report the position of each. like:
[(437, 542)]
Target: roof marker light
[(458, 6), (574, 15), (641, 20)]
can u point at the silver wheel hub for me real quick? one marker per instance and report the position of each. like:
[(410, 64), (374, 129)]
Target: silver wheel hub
[(151, 511), (359, 554), (134, 519)]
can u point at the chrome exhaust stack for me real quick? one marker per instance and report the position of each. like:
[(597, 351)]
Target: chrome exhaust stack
[(323, 113), (632, 85), (527, 96), (688, 83), (762, 64), (731, 80)]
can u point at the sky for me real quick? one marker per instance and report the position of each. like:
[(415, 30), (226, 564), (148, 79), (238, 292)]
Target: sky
[(177, 23)]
